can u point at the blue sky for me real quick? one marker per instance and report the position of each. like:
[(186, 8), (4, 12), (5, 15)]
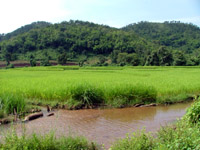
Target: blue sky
[(115, 13)]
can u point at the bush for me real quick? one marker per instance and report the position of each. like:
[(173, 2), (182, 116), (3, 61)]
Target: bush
[(137, 141), (10, 66), (86, 95), (193, 113), (182, 136)]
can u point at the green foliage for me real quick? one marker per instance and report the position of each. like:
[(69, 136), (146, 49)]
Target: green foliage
[(137, 141), (76, 38), (12, 103), (114, 56), (45, 60), (62, 58), (179, 58), (10, 66), (32, 61), (128, 95), (87, 95), (193, 113), (128, 59), (102, 59), (2, 113), (180, 137), (161, 57), (143, 43), (7, 57), (174, 34), (46, 142)]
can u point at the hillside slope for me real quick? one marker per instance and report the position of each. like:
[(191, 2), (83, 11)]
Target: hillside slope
[(174, 34)]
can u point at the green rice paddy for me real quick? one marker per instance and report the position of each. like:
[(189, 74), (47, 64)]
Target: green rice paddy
[(113, 86)]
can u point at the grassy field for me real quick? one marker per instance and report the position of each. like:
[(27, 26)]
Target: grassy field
[(112, 86)]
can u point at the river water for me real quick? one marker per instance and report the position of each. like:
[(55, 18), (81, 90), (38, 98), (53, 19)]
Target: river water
[(103, 125)]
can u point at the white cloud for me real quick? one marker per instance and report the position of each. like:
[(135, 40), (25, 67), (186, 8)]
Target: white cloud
[(195, 20), (18, 13)]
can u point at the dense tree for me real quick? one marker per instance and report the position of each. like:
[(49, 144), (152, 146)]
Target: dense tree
[(7, 57), (62, 58), (102, 59), (160, 57), (179, 58), (32, 61), (174, 34)]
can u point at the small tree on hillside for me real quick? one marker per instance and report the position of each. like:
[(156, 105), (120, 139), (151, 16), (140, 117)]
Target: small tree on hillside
[(7, 57), (62, 59), (32, 61), (102, 59), (45, 60)]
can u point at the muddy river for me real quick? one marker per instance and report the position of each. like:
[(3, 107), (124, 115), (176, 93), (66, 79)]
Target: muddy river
[(103, 125)]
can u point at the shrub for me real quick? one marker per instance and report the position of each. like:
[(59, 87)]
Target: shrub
[(86, 95), (193, 113), (182, 136), (10, 66), (137, 141)]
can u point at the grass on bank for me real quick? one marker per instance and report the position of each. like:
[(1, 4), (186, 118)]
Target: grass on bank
[(46, 142), (11, 104)]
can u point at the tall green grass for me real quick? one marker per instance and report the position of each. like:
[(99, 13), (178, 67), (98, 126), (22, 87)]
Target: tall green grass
[(114, 86), (11, 104), (46, 142)]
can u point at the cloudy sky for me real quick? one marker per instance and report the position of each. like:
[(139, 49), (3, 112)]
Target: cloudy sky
[(115, 13)]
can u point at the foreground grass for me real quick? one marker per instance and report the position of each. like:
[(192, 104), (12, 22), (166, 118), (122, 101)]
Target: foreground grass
[(114, 86), (46, 142)]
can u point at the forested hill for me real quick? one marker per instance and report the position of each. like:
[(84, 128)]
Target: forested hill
[(174, 34), (169, 43), (23, 29), (77, 38)]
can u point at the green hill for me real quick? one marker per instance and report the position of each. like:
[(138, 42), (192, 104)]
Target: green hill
[(144, 43), (23, 29), (174, 34)]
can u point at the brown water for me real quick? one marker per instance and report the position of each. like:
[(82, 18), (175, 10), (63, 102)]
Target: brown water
[(104, 126)]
